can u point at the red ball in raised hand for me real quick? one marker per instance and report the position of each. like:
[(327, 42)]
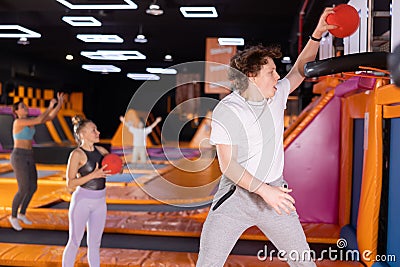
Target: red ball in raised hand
[(346, 18)]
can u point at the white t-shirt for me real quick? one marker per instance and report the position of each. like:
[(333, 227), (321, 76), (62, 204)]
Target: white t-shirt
[(139, 135), (257, 130)]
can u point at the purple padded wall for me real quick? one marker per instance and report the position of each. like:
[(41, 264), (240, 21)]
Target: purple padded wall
[(355, 83), (312, 167), (31, 111)]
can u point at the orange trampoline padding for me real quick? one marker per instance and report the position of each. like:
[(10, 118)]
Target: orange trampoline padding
[(180, 223), (173, 187), (5, 168), (47, 193), (187, 223), (326, 83), (371, 187), (388, 94), (50, 256), (134, 195)]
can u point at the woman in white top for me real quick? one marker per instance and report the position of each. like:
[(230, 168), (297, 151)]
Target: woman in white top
[(139, 138)]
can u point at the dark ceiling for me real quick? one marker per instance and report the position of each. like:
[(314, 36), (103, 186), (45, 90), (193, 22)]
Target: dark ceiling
[(257, 21), (42, 63)]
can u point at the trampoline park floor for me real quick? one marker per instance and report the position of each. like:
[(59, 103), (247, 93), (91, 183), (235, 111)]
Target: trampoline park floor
[(51, 256), (172, 186), (140, 217), (172, 234)]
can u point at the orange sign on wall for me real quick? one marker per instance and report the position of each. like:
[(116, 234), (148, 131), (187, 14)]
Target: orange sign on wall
[(217, 65)]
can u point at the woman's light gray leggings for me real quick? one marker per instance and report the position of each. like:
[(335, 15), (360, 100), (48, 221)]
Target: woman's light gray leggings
[(87, 208), (241, 210), (24, 168)]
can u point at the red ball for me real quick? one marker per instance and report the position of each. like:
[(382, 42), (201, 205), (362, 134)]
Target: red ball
[(114, 163), (346, 18)]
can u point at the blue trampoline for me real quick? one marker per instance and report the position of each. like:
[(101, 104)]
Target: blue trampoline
[(392, 244), (146, 166), (4, 161), (124, 177), (41, 174)]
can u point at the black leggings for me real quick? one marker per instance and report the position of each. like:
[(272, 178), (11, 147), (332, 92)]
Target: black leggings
[(25, 171)]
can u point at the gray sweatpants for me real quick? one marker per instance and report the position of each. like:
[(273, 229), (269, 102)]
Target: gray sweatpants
[(241, 210)]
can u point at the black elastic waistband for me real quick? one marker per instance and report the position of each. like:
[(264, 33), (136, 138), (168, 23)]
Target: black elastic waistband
[(22, 151)]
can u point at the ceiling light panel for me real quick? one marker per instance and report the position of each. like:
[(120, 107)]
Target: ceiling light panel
[(101, 68), (113, 55), (143, 76), (125, 4), (231, 41), (161, 71), (100, 38), (199, 12), (81, 21), (17, 31)]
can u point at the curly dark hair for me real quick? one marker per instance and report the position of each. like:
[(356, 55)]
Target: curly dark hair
[(248, 63)]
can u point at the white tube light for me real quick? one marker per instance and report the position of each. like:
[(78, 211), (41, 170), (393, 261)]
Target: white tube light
[(128, 5), (25, 32), (101, 68), (161, 71), (100, 38), (81, 21), (199, 12), (143, 76), (231, 41)]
